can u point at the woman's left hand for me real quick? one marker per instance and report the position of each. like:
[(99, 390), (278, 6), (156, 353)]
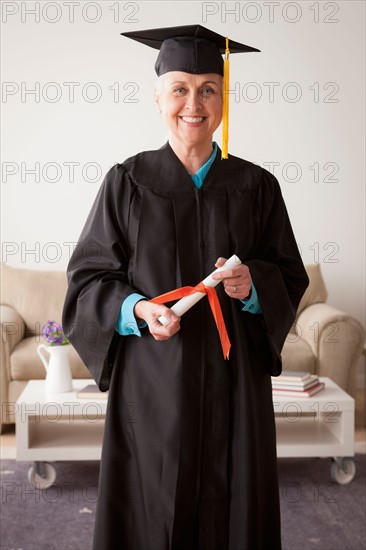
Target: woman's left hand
[(237, 281)]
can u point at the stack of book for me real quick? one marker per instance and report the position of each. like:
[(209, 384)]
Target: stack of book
[(91, 391), (296, 384)]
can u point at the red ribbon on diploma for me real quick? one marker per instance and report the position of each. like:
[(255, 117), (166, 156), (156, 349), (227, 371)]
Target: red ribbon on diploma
[(214, 304)]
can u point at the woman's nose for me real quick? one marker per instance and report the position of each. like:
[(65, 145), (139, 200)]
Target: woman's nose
[(193, 102)]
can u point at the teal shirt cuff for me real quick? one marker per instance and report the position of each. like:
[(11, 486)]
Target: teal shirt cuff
[(252, 304), (126, 322)]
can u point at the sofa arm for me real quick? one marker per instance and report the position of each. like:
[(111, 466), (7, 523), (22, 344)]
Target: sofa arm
[(336, 340), (12, 332)]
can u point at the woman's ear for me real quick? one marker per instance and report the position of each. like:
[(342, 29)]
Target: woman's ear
[(157, 103), (158, 88)]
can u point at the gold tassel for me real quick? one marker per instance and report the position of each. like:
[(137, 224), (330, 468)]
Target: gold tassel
[(225, 105)]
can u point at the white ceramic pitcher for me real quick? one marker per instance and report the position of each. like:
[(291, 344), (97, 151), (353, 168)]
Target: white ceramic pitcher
[(58, 377)]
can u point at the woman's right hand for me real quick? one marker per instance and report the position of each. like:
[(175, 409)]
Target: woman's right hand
[(151, 312)]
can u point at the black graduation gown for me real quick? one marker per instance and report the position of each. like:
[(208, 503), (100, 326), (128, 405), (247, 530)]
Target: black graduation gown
[(189, 451)]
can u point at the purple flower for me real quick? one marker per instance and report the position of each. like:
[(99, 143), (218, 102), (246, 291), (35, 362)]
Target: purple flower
[(53, 334)]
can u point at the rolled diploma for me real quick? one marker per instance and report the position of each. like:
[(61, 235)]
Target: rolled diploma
[(185, 303)]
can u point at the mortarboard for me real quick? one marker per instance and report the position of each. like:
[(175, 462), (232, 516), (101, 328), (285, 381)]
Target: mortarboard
[(196, 50)]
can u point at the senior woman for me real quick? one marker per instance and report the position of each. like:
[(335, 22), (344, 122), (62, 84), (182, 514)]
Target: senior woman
[(189, 450)]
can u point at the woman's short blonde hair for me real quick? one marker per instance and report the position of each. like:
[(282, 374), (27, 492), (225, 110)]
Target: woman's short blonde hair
[(159, 84)]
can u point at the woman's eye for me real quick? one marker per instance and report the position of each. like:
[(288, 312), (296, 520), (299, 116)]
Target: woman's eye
[(179, 90), (207, 91)]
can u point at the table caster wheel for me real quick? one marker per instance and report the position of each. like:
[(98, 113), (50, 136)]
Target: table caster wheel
[(42, 475), (343, 470)]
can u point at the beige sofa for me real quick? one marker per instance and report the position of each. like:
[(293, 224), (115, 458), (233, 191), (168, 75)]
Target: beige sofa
[(323, 340)]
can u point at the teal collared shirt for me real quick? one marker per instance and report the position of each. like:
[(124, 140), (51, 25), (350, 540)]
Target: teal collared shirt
[(126, 322), (203, 171)]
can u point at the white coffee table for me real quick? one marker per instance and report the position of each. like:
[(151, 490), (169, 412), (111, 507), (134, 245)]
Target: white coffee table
[(320, 426), (57, 426), (54, 427)]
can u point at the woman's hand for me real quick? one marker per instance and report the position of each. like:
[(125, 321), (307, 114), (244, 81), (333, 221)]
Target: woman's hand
[(150, 313), (237, 281)]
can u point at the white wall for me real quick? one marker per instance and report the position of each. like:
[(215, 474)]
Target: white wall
[(318, 46)]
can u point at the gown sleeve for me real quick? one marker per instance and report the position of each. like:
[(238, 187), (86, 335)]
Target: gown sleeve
[(97, 277), (276, 269)]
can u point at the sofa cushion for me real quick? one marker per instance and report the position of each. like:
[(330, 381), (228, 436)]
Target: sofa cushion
[(25, 363), (297, 355), (316, 292), (38, 296)]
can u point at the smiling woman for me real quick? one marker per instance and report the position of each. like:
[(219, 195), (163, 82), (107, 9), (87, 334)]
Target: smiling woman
[(191, 105), (193, 467)]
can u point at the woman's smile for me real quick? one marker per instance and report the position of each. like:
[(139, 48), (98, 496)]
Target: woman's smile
[(193, 124), (194, 121)]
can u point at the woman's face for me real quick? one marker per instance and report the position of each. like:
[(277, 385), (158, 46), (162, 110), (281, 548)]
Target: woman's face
[(191, 105)]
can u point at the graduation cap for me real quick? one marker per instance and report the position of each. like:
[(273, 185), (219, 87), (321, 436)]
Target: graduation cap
[(196, 50)]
